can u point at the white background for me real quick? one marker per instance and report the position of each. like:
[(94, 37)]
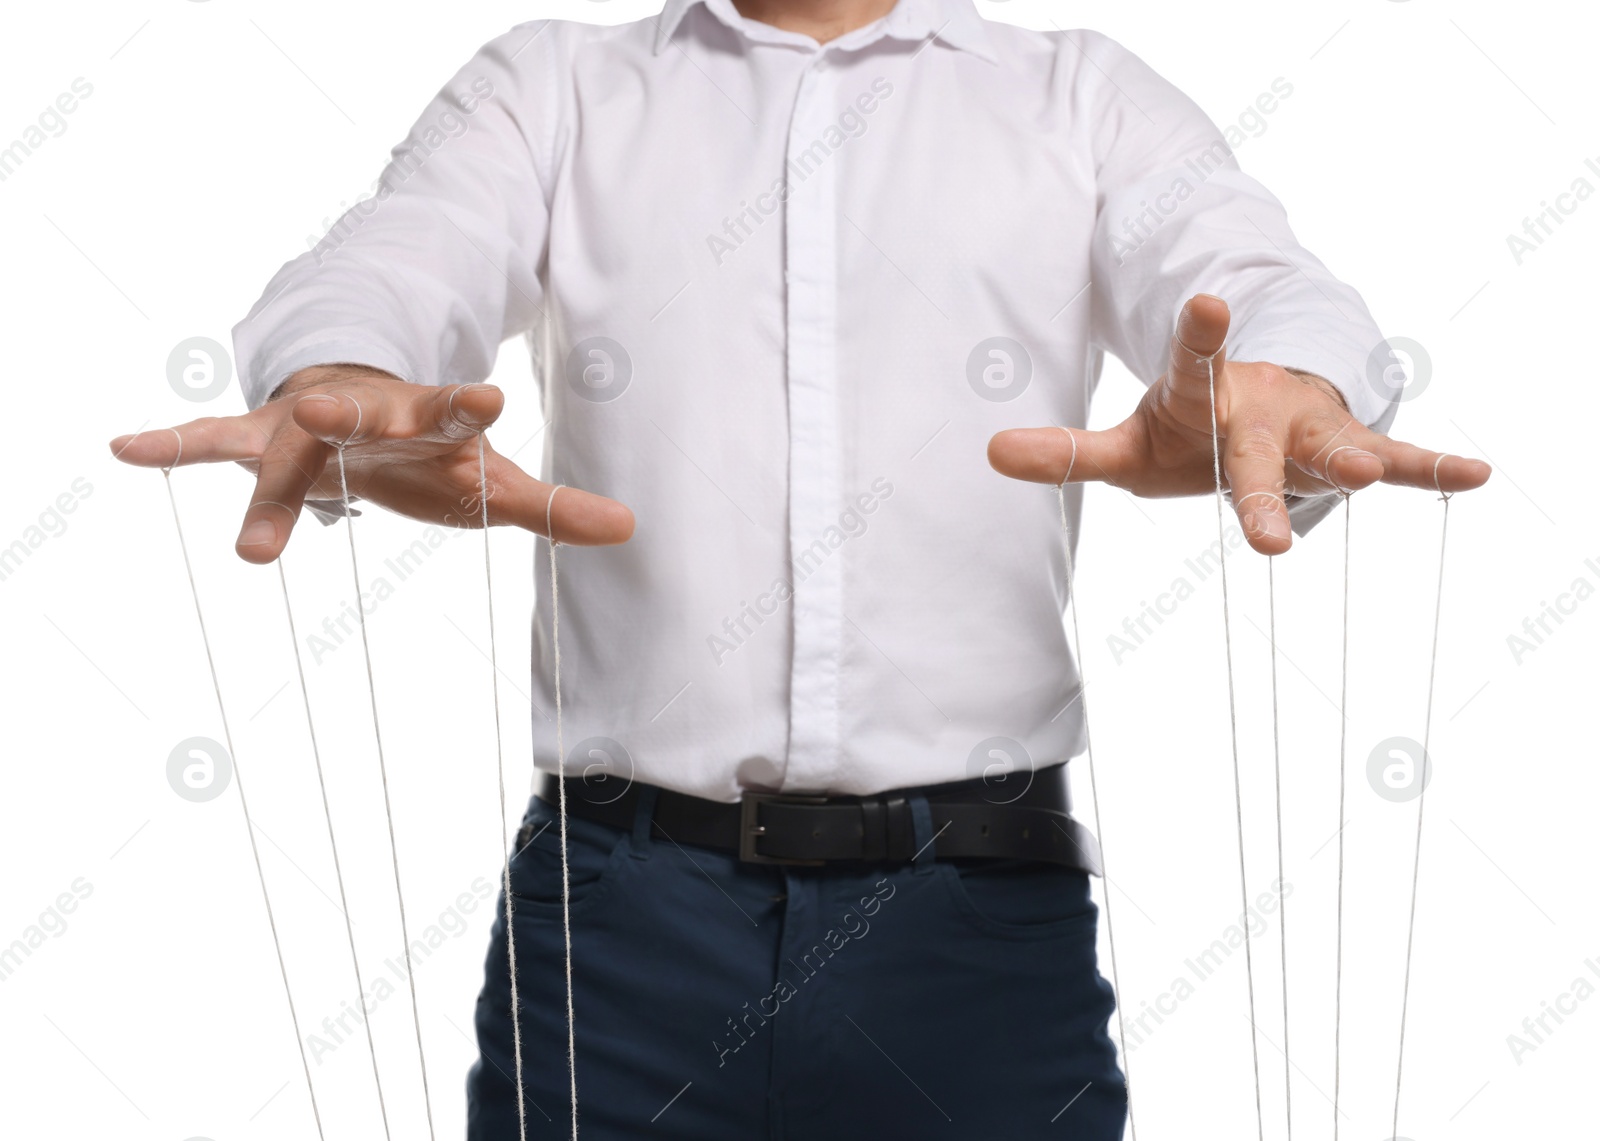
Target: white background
[(220, 136)]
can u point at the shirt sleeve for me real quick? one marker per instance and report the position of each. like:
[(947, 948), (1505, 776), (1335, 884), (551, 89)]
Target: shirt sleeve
[(429, 275), (1176, 216)]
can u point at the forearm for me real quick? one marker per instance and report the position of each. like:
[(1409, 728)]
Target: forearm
[(427, 277)]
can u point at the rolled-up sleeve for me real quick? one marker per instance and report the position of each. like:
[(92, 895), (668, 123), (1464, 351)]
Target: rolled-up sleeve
[(441, 264), (1176, 216)]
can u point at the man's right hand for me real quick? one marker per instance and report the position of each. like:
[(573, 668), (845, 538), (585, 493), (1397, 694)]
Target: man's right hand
[(408, 447)]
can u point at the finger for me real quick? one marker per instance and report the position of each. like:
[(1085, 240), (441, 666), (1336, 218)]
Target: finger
[(289, 466), (459, 411), (579, 518), (370, 410), (351, 414), (1253, 461), (1073, 455), (1202, 330), (1407, 465), (1330, 454), (446, 414), (212, 439)]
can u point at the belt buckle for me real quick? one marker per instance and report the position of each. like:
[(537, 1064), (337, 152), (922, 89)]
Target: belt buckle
[(750, 827)]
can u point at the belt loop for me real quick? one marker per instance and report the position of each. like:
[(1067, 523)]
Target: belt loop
[(922, 832), (643, 813)]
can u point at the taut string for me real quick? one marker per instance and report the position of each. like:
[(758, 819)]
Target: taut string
[(1277, 806), (1233, 726), (333, 844), (238, 779), (1338, 923), (1427, 730), (1277, 800), (383, 771), (500, 769), (1094, 789), (561, 807)]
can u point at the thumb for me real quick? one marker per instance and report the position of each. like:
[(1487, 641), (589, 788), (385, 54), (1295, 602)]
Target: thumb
[(578, 518), (1202, 329), (1052, 455)]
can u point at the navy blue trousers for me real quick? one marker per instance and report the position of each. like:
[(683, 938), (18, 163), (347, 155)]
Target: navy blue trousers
[(723, 1001)]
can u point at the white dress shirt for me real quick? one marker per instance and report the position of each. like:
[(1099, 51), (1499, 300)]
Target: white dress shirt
[(780, 296)]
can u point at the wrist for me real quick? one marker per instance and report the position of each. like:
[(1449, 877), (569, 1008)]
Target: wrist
[(1321, 383), (323, 374)]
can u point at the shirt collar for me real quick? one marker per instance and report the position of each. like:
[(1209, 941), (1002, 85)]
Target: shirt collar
[(955, 22)]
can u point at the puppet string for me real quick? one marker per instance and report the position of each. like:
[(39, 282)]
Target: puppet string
[(500, 771), (383, 772), (1338, 923), (1233, 728), (1094, 790), (238, 780), (333, 844), (1277, 795), (561, 808), (1427, 729)]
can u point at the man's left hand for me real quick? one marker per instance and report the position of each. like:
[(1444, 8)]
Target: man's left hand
[(1280, 433)]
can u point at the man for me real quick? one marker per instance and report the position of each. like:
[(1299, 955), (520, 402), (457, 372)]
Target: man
[(791, 270)]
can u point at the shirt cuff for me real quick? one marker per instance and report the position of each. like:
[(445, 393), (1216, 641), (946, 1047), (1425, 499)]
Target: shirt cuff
[(264, 377)]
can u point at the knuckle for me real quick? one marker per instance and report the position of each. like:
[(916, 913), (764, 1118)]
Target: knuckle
[(1265, 492), (1328, 424), (448, 420), (1257, 442)]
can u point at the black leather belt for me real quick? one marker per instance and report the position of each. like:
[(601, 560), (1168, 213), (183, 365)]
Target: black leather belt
[(1025, 816)]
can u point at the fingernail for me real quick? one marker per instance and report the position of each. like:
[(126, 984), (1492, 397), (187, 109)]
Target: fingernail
[(318, 398), (261, 533), (471, 415)]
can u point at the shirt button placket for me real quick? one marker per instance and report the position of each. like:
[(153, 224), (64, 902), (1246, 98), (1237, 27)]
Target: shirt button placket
[(811, 254)]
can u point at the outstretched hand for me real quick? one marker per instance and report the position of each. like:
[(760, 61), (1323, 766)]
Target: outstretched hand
[(408, 447), (1280, 432)]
